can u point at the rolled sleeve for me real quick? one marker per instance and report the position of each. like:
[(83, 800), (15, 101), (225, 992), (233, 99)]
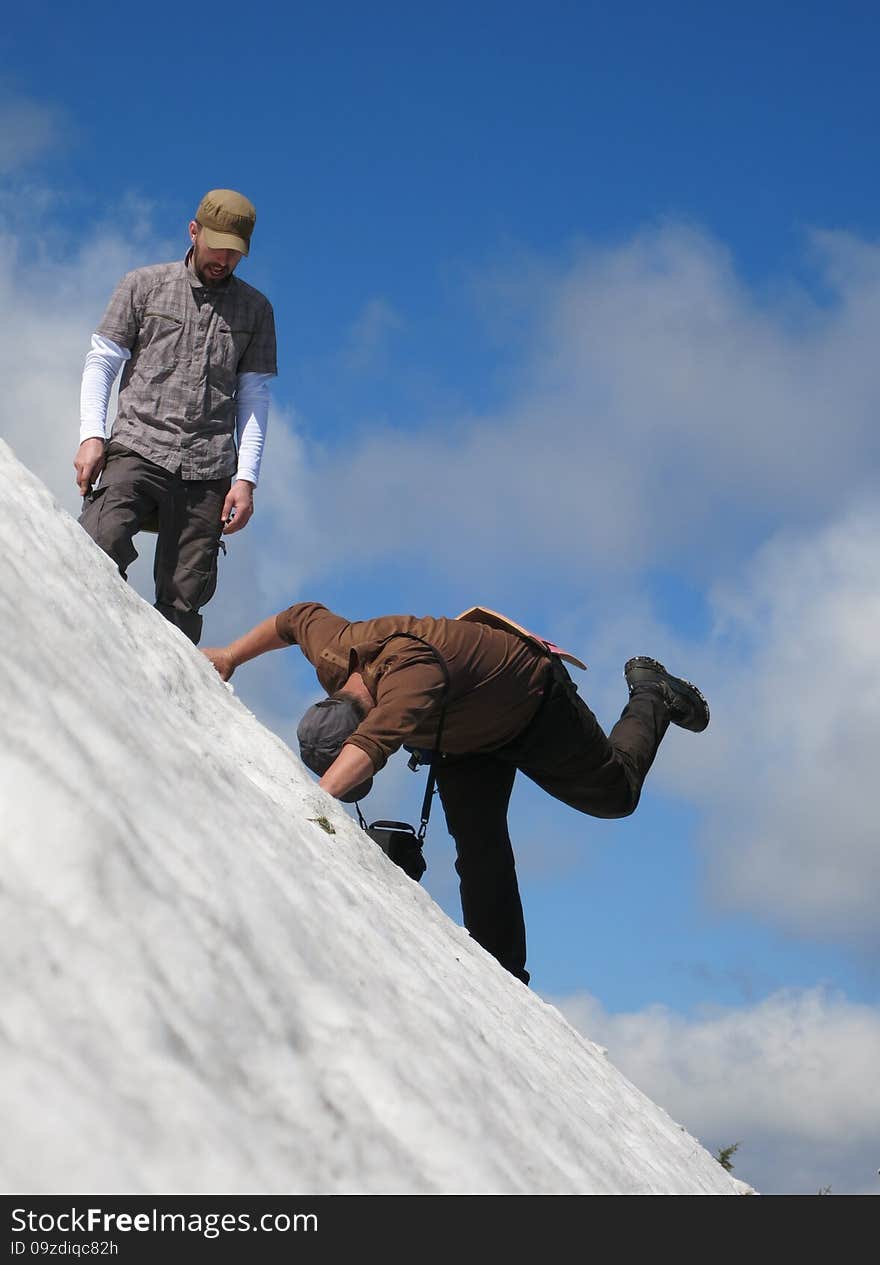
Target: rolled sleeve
[(376, 754), (310, 626)]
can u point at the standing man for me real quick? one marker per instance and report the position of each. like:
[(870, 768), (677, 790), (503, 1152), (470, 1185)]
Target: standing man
[(491, 698), (198, 350)]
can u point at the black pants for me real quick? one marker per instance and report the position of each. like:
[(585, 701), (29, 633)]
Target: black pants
[(133, 491), (566, 752)]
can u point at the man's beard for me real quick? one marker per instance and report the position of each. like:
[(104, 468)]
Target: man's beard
[(203, 274), (210, 279)]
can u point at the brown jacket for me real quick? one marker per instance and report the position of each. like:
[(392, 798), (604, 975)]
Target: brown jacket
[(496, 678)]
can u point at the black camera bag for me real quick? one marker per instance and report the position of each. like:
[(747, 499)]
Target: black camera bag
[(400, 843)]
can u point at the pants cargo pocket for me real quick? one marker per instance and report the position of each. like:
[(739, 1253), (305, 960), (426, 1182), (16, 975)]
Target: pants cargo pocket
[(111, 524)]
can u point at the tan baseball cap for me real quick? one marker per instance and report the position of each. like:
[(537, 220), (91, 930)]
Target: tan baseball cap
[(227, 219)]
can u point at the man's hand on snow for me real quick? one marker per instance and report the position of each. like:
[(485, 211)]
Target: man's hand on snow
[(222, 661)]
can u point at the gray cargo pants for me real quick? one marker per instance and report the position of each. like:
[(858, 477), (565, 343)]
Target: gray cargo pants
[(132, 491)]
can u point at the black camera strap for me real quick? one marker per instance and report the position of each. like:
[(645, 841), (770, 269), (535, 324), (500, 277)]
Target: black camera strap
[(435, 754), (431, 784)]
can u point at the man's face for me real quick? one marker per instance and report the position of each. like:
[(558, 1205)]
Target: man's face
[(212, 266)]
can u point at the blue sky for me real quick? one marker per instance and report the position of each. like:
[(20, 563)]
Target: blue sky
[(576, 312)]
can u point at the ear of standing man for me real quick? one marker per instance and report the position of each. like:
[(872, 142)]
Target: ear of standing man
[(196, 346)]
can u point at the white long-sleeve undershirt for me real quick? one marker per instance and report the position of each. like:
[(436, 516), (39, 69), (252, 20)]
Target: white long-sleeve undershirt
[(103, 363), (251, 422)]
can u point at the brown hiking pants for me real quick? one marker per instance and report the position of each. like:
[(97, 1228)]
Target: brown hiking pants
[(132, 491)]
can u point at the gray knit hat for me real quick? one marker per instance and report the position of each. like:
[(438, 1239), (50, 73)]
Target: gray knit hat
[(321, 734)]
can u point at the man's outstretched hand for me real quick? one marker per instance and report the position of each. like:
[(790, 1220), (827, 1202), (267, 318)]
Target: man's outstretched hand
[(260, 639)]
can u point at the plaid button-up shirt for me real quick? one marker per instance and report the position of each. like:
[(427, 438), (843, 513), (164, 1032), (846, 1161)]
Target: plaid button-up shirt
[(188, 342)]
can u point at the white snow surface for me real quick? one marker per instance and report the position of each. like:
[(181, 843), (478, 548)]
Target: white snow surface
[(207, 992)]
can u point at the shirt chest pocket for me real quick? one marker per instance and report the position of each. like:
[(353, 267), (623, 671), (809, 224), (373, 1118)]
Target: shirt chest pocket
[(332, 669), (161, 343), (160, 323), (229, 343)]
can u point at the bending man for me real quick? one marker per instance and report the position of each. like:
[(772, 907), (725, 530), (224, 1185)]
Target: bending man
[(505, 701)]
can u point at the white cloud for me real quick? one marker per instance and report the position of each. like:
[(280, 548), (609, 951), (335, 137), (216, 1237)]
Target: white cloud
[(27, 130), (793, 1080), (663, 411), (786, 770), (783, 776), (370, 334)]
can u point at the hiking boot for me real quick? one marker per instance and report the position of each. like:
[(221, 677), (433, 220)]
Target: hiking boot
[(687, 707)]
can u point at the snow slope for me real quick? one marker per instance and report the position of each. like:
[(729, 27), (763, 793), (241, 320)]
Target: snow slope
[(207, 992)]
